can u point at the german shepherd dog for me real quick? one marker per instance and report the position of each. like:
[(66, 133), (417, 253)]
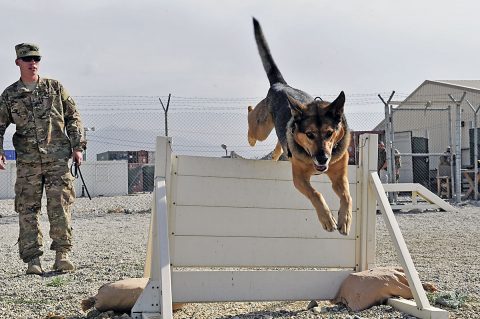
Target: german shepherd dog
[(314, 135)]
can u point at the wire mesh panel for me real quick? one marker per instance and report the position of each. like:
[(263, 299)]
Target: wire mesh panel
[(433, 131), (125, 127)]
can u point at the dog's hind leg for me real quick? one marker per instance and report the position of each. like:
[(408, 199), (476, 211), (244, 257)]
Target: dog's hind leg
[(277, 152), (338, 175), (251, 129), (301, 179), (260, 122)]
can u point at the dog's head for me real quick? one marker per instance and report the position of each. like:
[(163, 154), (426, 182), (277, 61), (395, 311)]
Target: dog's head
[(317, 128)]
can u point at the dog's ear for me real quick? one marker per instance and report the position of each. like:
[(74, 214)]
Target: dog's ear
[(296, 107), (250, 108), (335, 109)]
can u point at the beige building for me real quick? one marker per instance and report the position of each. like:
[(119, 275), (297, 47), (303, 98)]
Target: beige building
[(424, 123)]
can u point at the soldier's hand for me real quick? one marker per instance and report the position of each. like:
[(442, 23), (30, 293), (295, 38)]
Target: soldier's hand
[(77, 157), (3, 161)]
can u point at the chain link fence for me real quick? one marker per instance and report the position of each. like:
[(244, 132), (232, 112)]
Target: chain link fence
[(422, 127), (125, 128), (434, 131)]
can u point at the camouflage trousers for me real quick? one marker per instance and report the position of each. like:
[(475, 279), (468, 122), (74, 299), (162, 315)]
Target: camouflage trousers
[(57, 180)]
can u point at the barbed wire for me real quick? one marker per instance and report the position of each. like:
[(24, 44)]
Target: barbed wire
[(199, 124), (110, 103)]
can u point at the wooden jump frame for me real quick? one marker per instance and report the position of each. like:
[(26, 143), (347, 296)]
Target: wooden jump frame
[(237, 230)]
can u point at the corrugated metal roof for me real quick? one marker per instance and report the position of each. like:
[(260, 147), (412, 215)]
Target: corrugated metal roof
[(474, 84), (468, 85)]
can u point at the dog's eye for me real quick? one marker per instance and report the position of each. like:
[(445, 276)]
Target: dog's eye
[(329, 134), (310, 135)]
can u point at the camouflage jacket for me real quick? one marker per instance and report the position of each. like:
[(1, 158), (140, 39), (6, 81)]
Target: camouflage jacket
[(48, 125)]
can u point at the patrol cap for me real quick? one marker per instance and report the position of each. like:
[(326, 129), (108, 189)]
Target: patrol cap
[(27, 49)]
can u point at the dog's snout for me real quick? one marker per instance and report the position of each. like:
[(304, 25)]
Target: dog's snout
[(322, 158), (320, 162)]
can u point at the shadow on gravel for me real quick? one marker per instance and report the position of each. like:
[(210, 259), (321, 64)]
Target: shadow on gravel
[(266, 314), (48, 274), (413, 212), (409, 212)]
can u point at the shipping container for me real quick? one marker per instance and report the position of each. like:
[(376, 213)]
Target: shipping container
[(141, 156), (113, 156), (148, 177), (135, 178), (151, 157), (11, 155)]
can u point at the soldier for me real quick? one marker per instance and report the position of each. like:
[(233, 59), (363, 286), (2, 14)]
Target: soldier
[(398, 164), (48, 133), (382, 162)]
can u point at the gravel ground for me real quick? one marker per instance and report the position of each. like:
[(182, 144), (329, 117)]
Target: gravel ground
[(110, 240)]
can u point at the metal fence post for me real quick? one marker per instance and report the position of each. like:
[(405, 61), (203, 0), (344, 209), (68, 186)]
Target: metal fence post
[(451, 143), (389, 140), (458, 146), (391, 163), (475, 147), (165, 110)]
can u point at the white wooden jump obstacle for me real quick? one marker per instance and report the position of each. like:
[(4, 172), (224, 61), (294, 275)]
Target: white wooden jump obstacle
[(237, 230), (422, 197)]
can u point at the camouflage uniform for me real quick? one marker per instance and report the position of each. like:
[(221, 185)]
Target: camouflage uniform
[(398, 164), (48, 128)]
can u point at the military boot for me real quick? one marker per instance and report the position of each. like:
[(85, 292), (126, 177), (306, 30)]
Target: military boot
[(34, 267), (62, 263)]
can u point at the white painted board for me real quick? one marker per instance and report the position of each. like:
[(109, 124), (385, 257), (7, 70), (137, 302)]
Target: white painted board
[(218, 286), (257, 252), (252, 222), (248, 192), (242, 168)]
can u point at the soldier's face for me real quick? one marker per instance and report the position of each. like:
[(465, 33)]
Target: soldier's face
[(28, 68)]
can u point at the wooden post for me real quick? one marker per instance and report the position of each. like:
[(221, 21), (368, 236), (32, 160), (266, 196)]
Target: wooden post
[(156, 298), (368, 144), (421, 308)]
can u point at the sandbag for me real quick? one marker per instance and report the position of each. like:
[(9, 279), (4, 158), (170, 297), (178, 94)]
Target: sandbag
[(372, 287), (119, 296)]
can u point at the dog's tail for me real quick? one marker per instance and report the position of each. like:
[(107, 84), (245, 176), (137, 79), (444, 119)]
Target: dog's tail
[(273, 73)]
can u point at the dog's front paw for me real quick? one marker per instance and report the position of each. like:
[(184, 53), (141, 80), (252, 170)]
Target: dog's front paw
[(344, 221), (328, 221)]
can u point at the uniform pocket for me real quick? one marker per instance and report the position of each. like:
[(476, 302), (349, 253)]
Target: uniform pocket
[(54, 104), (19, 204), (20, 115), (68, 190)]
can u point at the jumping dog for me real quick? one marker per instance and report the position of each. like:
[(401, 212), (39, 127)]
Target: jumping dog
[(313, 133)]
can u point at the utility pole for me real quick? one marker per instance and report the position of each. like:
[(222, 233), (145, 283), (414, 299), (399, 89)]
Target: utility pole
[(85, 130), (225, 148)]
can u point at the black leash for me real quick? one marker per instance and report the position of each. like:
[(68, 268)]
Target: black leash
[(75, 171)]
